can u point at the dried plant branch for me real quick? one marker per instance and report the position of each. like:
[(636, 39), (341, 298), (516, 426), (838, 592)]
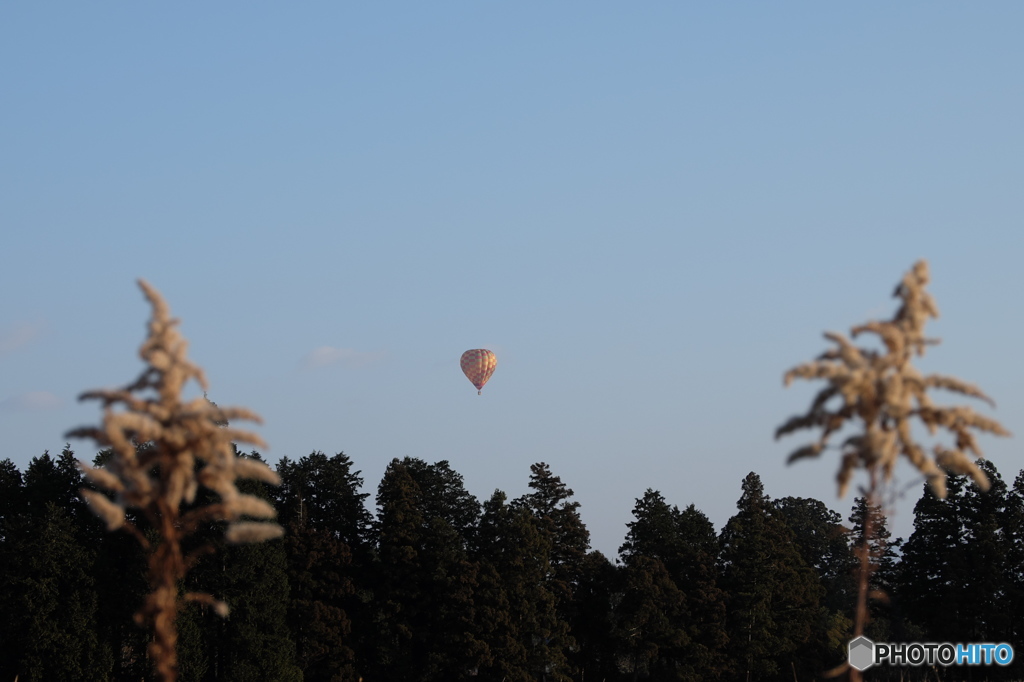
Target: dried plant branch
[(882, 393), (163, 450)]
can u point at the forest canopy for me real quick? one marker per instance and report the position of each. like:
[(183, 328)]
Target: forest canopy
[(430, 582)]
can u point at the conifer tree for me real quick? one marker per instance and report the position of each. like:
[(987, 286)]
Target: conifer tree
[(650, 613), (450, 514), (699, 580), (444, 496), (49, 596), (120, 575), (425, 585), (50, 480), (987, 553), (654, 530), (51, 627), (824, 544), (931, 568), (773, 596), (11, 492), (686, 544), (258, 644), (954, 569), (324, 492), (596, 594), (558, 518), (253, 642), (499, 619), (1013, 528), (512, 542), (398, 589), (322, 590), (883, 562), (12, 518), (454, 648), (328, 552)]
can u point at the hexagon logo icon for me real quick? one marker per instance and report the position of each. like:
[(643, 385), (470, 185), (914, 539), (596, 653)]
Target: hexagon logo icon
[(862, 653)]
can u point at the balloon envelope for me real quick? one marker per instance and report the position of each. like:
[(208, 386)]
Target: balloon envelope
[(478, 366)]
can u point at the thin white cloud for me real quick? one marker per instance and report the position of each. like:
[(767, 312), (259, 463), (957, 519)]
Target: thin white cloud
[(19, 335), (325, 356), (31, 401)]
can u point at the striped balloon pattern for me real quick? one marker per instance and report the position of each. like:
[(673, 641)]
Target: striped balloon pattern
[(478, 366)]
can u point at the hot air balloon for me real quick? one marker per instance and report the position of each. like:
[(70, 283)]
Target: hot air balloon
[(478, 366)]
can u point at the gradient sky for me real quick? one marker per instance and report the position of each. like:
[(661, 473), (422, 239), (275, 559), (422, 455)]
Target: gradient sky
[(648, 211)]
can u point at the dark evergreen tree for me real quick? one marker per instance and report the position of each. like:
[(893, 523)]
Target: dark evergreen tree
[(649, 618), (824, 545), (322, 591), (120, 573), (444, 496), (1013, 529), (773, 595), (500, 620), (253, 642), (954, 570), (686, 544), (398, 591), (654, 531), (987, 551), (426, 628), (256, 643), (454, 648), (324, 492), (12, 504), (328, 550), (504, 656), (48, 482), (558, 519), (450, 513), (932, 567), (12, 520), (49, 596), (883, 562), (697, 576), (51, 626), (597, 593), (510, 542)]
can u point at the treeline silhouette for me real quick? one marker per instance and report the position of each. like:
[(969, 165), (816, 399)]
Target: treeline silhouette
[(437, 585)]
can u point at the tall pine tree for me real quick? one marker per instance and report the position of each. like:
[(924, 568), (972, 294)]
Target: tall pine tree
[(558, 519), (50, 601), (425, 582), (329, 554), (773, 595), (686, 545), (511, 542), (883, 561), (955, 565), (253, 642)]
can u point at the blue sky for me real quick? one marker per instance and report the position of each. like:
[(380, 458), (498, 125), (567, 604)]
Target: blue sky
[(648, 212)]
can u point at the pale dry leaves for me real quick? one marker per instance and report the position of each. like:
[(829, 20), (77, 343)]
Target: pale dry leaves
[(164, 449), (884, 394)]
